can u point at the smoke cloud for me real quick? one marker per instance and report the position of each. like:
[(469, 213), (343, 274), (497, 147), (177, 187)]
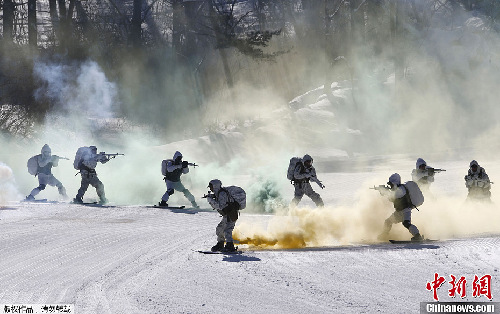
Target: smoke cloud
[(440, 217), (445, 109), (8, 188)]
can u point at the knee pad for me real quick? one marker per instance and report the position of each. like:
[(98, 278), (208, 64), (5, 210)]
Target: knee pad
[(407, 224), (41, 187), (170, 191)]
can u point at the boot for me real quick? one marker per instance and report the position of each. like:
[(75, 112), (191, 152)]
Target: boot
[(30, 198), (229, 247), (62, 192), (195, 206), (163, 203), (103, 201), (218, 247), (78, 200), (417, 238)]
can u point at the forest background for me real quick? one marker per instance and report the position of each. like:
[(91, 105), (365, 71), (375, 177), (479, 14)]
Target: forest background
[(185, 68)]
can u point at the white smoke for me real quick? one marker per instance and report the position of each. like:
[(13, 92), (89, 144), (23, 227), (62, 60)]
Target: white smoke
[(81, 90), (8, 188)]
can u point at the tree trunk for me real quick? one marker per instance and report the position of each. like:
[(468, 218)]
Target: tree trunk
[(54, 18), (32, 30), (222, 52), (177, 19), (8, 20), (135, 30), (63, 29)]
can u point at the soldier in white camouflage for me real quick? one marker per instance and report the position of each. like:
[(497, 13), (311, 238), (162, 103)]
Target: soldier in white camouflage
[(44, 163), (304, 173), (478, 183), (87, 165), (399, 195), (172, 169), (222, 201)]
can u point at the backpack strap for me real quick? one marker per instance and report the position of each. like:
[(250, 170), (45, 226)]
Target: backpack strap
[(408, 198), (228, 194), (231, 204)]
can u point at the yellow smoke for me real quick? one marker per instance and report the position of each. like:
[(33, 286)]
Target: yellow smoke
[(362, 222)]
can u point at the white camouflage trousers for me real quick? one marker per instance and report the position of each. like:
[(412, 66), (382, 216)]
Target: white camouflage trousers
[(305, 188), (177, 186), (91, 179), (400, 216), (224, 230), (43, 180)]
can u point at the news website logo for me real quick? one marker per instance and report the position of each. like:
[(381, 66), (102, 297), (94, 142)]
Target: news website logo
[(460, 286), (481, 286)]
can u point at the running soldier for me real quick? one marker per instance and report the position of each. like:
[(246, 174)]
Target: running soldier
[(301, 172), (399, 195)]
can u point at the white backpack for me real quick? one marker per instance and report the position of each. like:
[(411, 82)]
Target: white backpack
[(291, 167), (82, 151), (416, 196), (164, 166), (33, 165), (237, 194)]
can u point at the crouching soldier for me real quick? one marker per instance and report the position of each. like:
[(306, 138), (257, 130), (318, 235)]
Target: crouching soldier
[(399, 195), (41, 166), (227, 201), (478, 183)]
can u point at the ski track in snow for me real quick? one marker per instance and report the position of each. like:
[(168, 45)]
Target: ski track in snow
[(136, 260)]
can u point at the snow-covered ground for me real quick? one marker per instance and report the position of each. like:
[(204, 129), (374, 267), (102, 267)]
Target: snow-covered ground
[(134, 259)]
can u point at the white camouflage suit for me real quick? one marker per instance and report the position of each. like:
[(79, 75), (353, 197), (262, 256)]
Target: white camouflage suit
[(220, 202), (477, 182), (402, 207), (421, 175), (45, 162), (302, 176), (174, 170), (89, 175)]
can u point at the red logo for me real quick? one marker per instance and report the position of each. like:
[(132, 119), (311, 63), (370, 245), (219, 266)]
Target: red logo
[(480, 286)]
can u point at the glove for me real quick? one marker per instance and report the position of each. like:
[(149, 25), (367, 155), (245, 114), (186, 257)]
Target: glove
[(184, 164), (430, 171), (212, 202)]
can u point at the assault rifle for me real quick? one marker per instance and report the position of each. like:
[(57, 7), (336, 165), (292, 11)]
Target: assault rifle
[(59, 157), (102, 155), (381, 188), (209, 194), (315, 179), (431, 170)]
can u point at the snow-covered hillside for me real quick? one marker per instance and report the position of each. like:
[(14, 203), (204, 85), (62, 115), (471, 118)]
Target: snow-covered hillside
[(134, 259)]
